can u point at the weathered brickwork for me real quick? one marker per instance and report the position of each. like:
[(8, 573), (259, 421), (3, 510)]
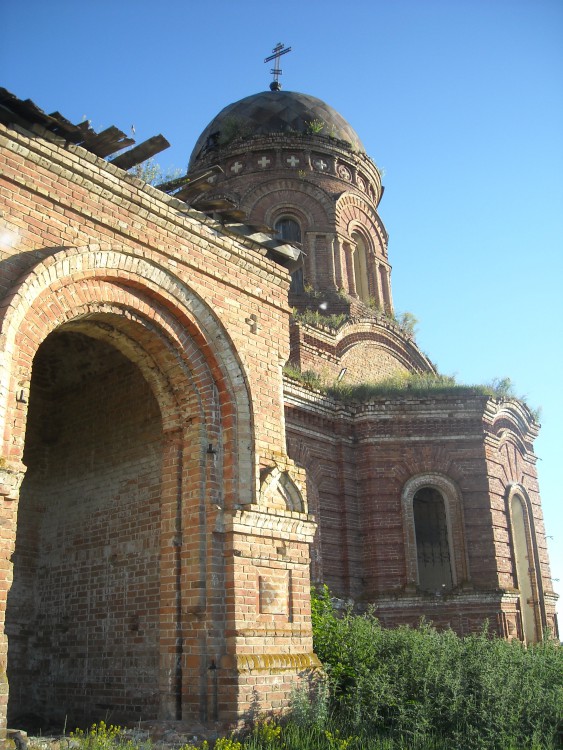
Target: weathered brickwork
[(101, 255), (364, 464), (167, 495), (368, 349), (83, 611)]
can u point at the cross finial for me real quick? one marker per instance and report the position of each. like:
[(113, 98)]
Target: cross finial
[(276, 71)]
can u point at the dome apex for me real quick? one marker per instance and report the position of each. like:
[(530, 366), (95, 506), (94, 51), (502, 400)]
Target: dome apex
[(269, 112)]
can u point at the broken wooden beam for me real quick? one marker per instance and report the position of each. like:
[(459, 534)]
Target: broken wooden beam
[(141, 153)]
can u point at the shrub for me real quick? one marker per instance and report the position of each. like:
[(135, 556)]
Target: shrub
[(416, 683)]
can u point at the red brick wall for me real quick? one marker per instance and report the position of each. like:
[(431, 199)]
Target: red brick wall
[(83, 612), (204, 316), (361, 460)]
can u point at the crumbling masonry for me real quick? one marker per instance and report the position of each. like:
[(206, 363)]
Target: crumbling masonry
[(166, 492)]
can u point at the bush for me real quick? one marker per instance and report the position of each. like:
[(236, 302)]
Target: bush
[(418, 684)]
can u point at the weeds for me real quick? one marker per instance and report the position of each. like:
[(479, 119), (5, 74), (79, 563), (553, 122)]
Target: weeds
[(315, 126), (415, 685), (415, 384), (317, 319), (308, 378), (401, 689)]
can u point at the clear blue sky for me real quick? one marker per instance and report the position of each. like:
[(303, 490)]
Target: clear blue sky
[(459, 101)]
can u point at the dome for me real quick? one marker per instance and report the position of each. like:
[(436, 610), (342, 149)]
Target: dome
[(275, 112)]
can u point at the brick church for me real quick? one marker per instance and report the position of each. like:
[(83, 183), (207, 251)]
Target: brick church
[(170, 487)]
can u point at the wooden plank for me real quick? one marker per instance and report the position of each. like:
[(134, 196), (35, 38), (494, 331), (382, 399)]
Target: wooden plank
[(9, 117), (141, 153), (107, 142), (193, 186), (190, 191), (62, 126), (252, 230), (215, 204), (27, 114), (226, 214)]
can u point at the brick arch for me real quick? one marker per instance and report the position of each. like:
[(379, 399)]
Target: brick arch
[(113, 323), (93, 280), (352, 211), (262, 201), (384, 336), (193, 371), (426, 459), (510, 416), (453, 503), (357, 227), (509, 439), (290, 210), (532, 567)]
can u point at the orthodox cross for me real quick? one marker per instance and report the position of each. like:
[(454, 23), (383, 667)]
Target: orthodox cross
[(276, 71)]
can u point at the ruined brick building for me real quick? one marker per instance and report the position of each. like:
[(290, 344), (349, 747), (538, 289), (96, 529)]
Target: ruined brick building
[(168, 493)]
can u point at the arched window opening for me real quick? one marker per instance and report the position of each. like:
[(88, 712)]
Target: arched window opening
[(432, 541), (289, 229), (524, 566), (385, 286), (361, 268)]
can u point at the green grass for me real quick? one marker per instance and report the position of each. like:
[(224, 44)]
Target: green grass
[(288, 734), (406, 321), (415, 384), (400, 689)]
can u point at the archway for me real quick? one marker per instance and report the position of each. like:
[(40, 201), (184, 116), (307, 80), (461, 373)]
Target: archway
[(433, 517), (83, 612), (149, 325)]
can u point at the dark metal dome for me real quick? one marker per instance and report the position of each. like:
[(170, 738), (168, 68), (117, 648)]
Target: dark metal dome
[(274, 112)]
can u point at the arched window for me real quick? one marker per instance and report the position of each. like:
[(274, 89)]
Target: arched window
[(432, 541), (433, 517), (361, 268), (289, 229), (524, 565)]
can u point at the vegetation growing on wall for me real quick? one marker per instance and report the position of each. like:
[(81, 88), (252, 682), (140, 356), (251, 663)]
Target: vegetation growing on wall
[(399, 689), (312, 316), (150, 171), (416, 384), (319, 320)]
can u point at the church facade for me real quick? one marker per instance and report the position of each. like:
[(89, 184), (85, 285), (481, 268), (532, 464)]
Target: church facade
[(170, 487)]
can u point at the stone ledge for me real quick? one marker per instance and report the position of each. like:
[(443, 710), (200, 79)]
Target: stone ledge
[(271, 663)]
